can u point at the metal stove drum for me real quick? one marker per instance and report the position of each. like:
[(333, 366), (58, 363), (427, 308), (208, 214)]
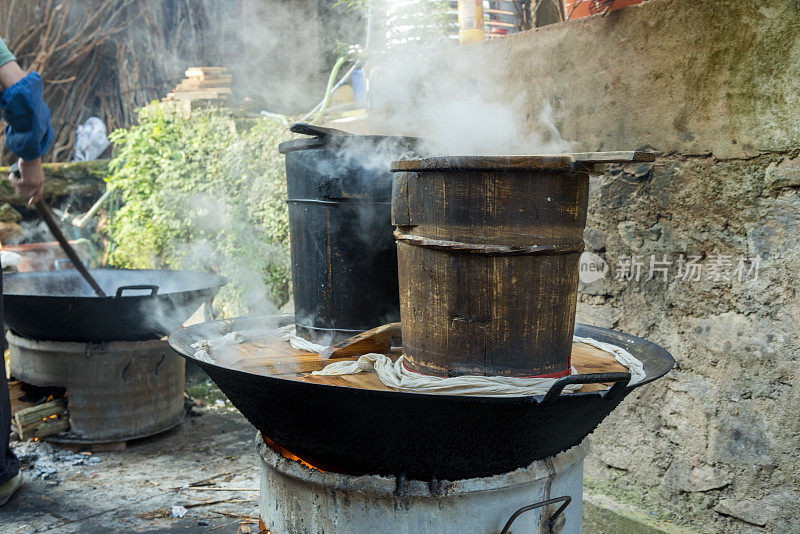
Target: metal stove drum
[(122, 379), (301, 499)]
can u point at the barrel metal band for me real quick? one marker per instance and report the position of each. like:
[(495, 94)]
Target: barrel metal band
[(495, 250)]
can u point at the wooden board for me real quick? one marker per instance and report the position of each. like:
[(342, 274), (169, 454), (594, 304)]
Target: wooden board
[(543, 162), (194, 85), (200, 95), (42, 420), (15, 393), (278, 358), (205, 72)]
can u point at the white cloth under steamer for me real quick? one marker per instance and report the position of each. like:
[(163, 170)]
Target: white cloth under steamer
[(396, 376)]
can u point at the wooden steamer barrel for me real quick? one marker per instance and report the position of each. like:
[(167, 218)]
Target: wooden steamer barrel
[(488, 251)]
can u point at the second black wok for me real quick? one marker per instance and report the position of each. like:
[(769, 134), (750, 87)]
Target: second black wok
[(141, 304)]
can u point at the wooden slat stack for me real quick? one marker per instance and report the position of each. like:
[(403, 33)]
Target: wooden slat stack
[(208, 84), (42, 420), (32, 420), (15, 393)]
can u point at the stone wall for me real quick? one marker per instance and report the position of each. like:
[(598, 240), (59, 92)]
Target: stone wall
[(714, 88), (716, 441)]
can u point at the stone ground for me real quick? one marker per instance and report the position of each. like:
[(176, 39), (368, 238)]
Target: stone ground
[(134, 490)]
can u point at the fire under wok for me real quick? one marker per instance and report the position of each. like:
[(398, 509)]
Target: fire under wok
[(416, 435), (141, 304)]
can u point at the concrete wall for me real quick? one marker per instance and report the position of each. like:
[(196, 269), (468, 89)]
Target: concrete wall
[(714, 87)]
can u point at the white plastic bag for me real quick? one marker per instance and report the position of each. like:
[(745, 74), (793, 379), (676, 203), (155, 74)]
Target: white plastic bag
[(90, 140)]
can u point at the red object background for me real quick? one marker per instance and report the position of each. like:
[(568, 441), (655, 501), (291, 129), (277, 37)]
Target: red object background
[(575, 9)]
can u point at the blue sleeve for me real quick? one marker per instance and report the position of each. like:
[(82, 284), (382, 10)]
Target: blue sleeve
[(29, 133)]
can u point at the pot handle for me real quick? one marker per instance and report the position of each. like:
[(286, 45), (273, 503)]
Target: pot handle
[(319, 132), (153, 289), (550, 522), (620, 381)]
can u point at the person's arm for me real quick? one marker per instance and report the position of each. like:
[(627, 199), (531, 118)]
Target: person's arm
[(29, 133), (10, 73)]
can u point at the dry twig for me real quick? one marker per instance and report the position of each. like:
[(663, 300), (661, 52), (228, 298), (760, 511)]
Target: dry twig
[(108, 57)]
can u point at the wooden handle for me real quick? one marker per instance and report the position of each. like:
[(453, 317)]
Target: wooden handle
[(376, 340), (613, 157), (47, 216)]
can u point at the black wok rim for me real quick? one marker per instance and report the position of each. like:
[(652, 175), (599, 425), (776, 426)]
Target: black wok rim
[(219, 281), (181, 341)]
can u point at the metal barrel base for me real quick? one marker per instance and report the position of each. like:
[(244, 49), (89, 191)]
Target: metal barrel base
[(296, 498), (116, 391)]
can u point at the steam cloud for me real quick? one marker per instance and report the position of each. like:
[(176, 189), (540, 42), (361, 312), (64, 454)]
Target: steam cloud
[(458, 102)]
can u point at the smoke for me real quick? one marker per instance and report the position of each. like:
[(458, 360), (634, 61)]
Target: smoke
[(234, 344), (243, 265), (452, 98), (458, 101)]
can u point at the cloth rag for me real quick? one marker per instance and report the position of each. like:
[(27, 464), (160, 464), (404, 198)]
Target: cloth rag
[(396, 376)]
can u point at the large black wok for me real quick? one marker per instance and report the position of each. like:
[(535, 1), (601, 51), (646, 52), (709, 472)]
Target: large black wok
[(141, 304), (420, 436)]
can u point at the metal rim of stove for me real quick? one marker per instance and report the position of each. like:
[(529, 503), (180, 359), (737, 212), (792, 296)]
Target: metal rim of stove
[(77, 441), (382, 484)]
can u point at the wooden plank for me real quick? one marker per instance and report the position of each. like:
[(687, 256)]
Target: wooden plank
[(550, 162), (192, 84), (14, 393), (35, 414), (43, 420), (612, 157), (205, 72), (588, 359), (217, 94), (377, 340), (44, 428), (486, 163)]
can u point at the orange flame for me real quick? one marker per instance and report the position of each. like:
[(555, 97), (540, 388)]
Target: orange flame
[(288, 455)]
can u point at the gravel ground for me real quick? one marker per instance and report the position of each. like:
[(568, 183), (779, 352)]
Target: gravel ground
[(135, 490)]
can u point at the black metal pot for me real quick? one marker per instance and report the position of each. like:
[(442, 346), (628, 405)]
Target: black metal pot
[(344, 258), (142, 304), (420, 436)]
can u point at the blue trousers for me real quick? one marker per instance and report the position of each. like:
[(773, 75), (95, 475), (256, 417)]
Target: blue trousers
[(9, 465)]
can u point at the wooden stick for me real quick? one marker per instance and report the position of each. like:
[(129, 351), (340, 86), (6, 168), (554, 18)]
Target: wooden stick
[(208, 481), (238, 516), (223, 489), (45, 213), (208, 503)]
